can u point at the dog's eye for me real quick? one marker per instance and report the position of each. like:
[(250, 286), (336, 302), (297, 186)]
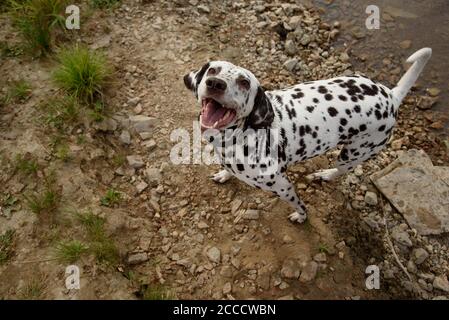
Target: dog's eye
[(212, 71), (244, 83)]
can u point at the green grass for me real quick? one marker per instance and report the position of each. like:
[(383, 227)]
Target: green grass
[(37, 20), (6, 245), (97, 111), (33, 289), (82, 73), (323, 248), (61, 112), (19, 91), (156, 292), (101, 245), (104, 3), (111, 198), (26, 164), (70, 251), (47, 200)]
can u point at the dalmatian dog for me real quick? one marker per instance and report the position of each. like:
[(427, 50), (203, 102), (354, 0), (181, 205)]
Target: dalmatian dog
[(311, 118)]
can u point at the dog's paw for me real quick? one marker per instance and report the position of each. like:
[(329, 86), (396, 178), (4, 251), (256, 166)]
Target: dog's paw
[(297, 217), (326, 175), (222, 176)]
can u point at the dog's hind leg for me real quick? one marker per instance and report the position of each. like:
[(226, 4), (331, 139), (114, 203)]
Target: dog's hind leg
[(281, 186), (222, 176)]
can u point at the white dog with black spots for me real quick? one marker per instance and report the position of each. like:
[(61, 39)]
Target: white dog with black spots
[(310, 119)]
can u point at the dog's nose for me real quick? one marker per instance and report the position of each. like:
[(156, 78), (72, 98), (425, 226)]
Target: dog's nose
[(215, 84)]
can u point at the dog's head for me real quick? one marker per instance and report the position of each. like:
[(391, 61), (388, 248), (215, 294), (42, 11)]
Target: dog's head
[(228, 95)]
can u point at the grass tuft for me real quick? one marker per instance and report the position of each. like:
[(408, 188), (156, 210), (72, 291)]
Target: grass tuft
[(36, 20), (82, 73), (70, 251), (47, 200), (20, 91), (33, 289), (111, 198), (102, 246), (61, 112), (6, 245), (156, 292), (26, 164)]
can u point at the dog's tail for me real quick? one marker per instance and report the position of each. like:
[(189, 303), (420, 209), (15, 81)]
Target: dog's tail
[(419, 59)]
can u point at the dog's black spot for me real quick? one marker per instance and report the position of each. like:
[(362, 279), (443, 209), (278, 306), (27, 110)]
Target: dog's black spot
[(342, 98), (382, 128), (328, 97), (310, 109), (343, 121), (332, 111)]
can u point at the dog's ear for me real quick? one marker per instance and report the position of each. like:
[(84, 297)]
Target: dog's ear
[(262, 114), (193, 79)]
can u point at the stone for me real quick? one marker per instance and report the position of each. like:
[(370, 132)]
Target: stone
[(406, 44), (420, 255), (226, 271), (433, 92), (320, 257), (441, 283), (150, 144), (153, 176), (203, 8), (125, 137), (251, 214), (308, 273), (418, 190), (135, 161), (227, 288), (290, 64), (214, 254), (290, 269), (141, 186), (133, 101), (290, 47), (371, 198), (202, 225), (137, 258), (142, 123), (401, 237), (305, 40), (107, 124)]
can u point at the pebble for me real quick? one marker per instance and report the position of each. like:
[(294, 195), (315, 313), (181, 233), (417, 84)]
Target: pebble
[(401, 237), (143, 123), (251, 214), (320, 257), (291, 64), (203, 8), (135, 161), (290, 47), (441, 283), (227, 288), (308, 273), (137, 258), (153, 176), (420, 255), (406, 44), (214, 254), (133, 101), (290, 269), (433, 92), (371, 198), (141, 186), (125, 137)]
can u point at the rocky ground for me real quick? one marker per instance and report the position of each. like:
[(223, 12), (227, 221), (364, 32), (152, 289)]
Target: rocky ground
[(176, 231)]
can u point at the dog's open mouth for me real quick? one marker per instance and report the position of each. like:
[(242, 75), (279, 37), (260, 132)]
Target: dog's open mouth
[(214, 115)]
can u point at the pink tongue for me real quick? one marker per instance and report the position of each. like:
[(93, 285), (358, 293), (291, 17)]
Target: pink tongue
[(212, 113)]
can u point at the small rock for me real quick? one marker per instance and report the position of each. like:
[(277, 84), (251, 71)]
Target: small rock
[(305, 40), (153, 176), (290, 64), (133, 101), (251, 214), (108, 124), (226, 271), (309, 272), (433, 92), (135, 161), (290, 47), (214, 254), (202, 225), (141, 186), (150, 144), (320, 257), (203, 8), (137, 258), (441, 283), (287, 239), (420, 255), (125, 137), (227, 288), (290, 269), (143, 123), (406, 44), (371, 198), (401, 237)]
